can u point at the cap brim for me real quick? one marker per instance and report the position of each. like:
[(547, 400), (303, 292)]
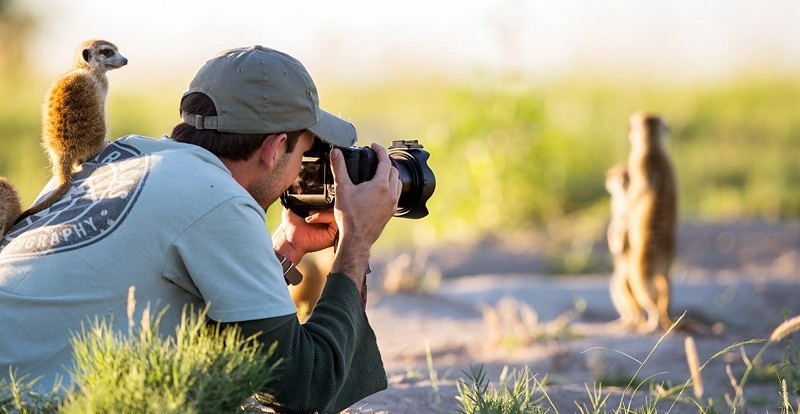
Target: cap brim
[(334, 130)]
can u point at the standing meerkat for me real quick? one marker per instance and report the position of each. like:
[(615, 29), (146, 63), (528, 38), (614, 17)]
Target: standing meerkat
[(315, 268), (652, 218), (73, 115), (617, 181), (9, 205)]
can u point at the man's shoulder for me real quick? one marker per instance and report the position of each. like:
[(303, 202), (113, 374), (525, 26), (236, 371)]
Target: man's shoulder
[(148, 145), (167, 151)]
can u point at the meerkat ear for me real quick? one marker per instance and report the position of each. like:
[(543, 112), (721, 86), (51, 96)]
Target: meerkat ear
[(85, 54)]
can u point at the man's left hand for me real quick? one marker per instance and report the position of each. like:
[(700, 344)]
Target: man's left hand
[(297, 236)]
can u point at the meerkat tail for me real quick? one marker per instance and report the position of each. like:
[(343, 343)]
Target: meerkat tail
[(47, 202), (10, 206), (65, 178)]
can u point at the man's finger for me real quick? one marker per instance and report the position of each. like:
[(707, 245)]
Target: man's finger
[(338, 167), (320, 217), (394, 177), (384, 164)]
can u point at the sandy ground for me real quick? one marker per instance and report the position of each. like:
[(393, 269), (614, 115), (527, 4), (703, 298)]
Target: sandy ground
[(734, 282)]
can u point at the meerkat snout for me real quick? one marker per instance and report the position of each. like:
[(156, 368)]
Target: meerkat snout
[(100, 55)]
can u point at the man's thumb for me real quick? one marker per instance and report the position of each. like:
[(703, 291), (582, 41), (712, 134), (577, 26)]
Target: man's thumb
[(338, 166)]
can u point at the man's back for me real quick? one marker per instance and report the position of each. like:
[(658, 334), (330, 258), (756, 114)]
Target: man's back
[(132, 218)]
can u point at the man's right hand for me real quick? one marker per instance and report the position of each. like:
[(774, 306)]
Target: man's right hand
[(362, 211)]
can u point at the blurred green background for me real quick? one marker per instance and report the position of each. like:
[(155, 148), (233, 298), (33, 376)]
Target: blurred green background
[(512, 153)]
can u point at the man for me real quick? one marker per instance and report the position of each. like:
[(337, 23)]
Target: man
[(182, 220)]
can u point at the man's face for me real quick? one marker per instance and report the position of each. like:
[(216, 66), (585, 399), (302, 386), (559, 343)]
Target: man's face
[(290, 165), (269, 187)]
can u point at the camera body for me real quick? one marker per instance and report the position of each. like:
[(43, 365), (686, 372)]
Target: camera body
[(314, 188)]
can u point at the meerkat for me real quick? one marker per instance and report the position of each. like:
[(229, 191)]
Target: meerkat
[(616, 184), (314, 268), (10, 206), (73, 115), (652, 218)]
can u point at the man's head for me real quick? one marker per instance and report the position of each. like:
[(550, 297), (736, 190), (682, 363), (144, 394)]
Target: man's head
[(250, 107)]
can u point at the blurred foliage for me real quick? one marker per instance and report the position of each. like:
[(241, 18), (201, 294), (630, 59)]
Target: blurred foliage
[(514, 154), (16, 27), (517, 155)]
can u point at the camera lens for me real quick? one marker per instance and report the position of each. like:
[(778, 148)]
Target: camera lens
[(416, 177)]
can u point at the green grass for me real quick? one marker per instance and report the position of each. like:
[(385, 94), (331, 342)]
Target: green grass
[(522, 393), (532, 155), (515, 393), (19, 396), (200, 369), (517, 154)]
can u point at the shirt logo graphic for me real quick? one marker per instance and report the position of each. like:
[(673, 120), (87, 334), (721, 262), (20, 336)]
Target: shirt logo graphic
[(99, 199)]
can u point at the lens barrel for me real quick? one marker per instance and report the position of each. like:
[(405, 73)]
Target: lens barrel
[(416, 176)]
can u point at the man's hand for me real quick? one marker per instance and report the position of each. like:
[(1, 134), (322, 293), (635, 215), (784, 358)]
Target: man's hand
[(295, 236), (362, 211)]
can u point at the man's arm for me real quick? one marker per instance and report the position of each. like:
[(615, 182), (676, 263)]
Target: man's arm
[(331, 361)]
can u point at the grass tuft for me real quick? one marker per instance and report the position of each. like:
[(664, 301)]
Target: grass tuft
[(513, 323), (203, 369), (17, 396), (787, 327), (693, 360), (514, 394)]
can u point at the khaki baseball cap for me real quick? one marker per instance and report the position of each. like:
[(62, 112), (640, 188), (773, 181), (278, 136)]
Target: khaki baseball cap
[(258, 90)]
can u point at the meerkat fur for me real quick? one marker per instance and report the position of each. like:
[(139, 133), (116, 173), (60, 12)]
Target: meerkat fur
[(10, 206), (314, 268), (652, 218), (616, 183), (73, 115)]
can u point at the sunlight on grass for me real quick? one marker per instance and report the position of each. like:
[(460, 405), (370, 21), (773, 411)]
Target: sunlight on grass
[(202, 369), (530, 155), (513, 395), (514, 155), (18, 396)]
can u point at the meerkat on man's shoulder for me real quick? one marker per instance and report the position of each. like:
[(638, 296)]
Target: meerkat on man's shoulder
[(73, 115)]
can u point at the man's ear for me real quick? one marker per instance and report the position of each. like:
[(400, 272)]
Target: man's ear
[(270, 150)]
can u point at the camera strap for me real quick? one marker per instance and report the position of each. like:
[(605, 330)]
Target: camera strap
[(290, 272)]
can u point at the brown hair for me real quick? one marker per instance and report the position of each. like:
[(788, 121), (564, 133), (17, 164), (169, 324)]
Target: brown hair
[(236, 147)]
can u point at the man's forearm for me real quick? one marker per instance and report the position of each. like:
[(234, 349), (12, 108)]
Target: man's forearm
[(352, 260)]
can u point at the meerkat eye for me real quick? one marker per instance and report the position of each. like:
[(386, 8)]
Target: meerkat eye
[(107, 52)]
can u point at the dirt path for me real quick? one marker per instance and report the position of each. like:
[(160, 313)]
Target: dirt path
[(586, 349), (740, 289)]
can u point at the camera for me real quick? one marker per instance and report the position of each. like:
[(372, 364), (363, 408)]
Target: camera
[(314, 189)]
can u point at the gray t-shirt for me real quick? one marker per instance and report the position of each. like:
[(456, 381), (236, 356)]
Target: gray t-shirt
[(162, 216)]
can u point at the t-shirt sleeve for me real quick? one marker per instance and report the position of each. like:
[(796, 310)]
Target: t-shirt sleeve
[(226, 258)]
